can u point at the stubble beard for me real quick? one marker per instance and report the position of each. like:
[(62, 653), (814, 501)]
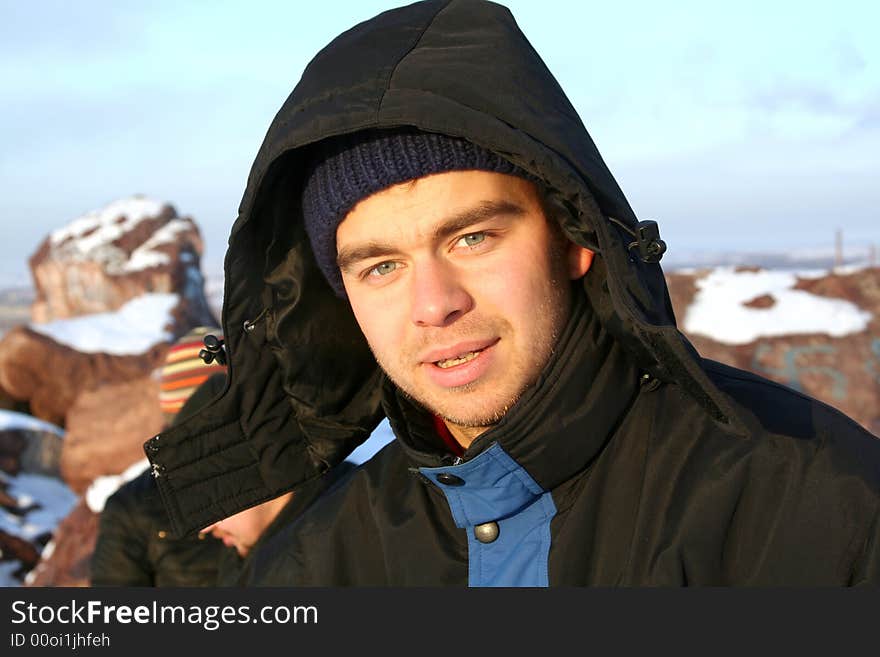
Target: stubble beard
[(526, 367), (442, 403)]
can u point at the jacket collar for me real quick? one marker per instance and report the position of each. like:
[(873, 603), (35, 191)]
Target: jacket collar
[(559, 425)]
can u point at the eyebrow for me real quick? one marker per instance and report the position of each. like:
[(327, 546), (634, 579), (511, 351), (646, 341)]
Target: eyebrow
[(456, 223)]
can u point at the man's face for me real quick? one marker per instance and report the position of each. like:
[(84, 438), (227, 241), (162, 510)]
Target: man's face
[(460, 286), (243, 530)]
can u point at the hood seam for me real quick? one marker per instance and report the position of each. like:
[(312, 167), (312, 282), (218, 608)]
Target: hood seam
[(405, 55)]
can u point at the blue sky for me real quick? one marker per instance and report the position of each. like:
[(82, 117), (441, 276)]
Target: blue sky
[(735, 125)]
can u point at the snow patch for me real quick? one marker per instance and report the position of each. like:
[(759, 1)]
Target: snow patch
[(103, 487), (853, 268), (10, 420), (145, 257), (48, 551), (88, 232), (92, 236), (54, 498), (7, 568), (717, 311), (107, 224), (133, 329)]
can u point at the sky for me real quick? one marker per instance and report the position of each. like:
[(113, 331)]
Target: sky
[(736, 126)]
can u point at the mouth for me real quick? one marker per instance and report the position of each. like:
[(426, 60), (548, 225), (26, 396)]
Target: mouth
[(457, 354), (461, 364), (458, 360)]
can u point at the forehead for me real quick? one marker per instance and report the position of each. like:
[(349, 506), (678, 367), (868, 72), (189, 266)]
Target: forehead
[(416, 207)]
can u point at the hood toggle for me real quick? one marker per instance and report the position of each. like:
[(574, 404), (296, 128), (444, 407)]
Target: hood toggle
[(647, 238), (651, 247), (214, 350)]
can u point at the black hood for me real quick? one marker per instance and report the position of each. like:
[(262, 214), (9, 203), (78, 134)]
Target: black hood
[(303, 388)]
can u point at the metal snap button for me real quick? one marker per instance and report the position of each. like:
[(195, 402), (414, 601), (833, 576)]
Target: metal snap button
[(487, 532), (449, 479)]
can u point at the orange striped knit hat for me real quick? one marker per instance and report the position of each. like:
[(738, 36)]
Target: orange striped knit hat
[(184, 371)]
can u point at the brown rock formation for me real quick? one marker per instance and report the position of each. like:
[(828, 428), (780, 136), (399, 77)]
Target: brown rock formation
[(108, 403), (682, 290), (69, 562), (49, 376), (9, 403), (96, 264), (843, 372), (100, 261), (30, 450), (7, 501), (25, 552), (12, 444), (762, 301), (861, 287), (107, 428), (13, 548)]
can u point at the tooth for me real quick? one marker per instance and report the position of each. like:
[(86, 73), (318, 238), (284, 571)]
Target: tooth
[(458, 360)]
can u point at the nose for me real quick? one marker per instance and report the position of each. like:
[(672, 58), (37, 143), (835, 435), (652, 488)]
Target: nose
[(438, 296)]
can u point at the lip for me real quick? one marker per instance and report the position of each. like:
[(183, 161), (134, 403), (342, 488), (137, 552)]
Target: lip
[(461, 375), (444, 353)]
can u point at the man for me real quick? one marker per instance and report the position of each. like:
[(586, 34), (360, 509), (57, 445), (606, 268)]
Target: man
[(429, 234), (243, 530), (246, 531), (134, 545)]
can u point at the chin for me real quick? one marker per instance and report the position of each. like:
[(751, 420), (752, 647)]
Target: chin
[(474, 412), (478, 404)]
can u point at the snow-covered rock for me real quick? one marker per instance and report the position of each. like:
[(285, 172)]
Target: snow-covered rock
[(32, 500), (114, 288), (816, 331), (721, 309), (29, 444), (100, 261), (141, 323), (66, 559), (49, 376)]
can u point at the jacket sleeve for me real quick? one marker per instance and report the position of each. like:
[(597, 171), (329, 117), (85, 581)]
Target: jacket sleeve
[(121, 557)]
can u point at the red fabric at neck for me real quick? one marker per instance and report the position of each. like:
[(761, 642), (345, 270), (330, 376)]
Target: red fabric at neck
[(448, 439)]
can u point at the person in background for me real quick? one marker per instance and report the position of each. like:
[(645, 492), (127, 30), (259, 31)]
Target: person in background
[(247, 531), (134, 545)]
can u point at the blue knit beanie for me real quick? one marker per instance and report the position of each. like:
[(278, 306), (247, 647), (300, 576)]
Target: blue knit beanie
[(344, 170)]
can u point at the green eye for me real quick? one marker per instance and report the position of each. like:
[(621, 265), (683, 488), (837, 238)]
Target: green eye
[(383, 269), (473, 239)]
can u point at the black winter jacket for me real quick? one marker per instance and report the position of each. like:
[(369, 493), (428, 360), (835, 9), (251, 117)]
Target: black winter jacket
[(135, 545), (237, 571), (633, 461)]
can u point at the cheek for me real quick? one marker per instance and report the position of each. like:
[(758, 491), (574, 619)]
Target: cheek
[(240, 529), (521, 285), (521, 301), (379, 321)]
